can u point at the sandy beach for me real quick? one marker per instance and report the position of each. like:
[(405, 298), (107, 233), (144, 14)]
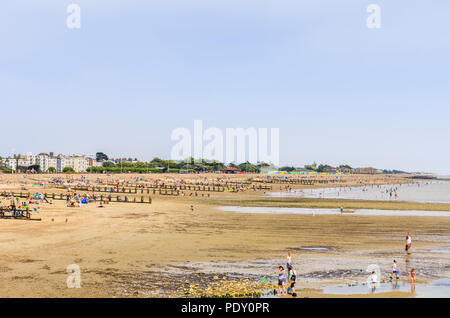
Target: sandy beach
[(157, 249)]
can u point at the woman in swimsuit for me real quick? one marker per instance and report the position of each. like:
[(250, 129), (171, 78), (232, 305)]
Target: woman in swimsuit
[(412, 275)]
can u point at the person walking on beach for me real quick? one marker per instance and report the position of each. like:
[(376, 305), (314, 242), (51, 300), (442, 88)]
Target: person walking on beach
[(408, 243), (281, 281), (192, 210)]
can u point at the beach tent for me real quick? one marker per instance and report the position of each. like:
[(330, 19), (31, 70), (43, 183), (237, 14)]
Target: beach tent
[(84, 201)]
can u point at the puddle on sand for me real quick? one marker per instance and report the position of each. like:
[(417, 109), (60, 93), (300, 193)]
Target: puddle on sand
[(441, 250), (334, 274), (305, 211), (437, 289), (312, 248)]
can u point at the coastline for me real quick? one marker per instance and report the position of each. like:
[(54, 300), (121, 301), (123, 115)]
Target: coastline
[(133, 250)]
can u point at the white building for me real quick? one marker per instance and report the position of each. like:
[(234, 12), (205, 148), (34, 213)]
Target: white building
[(79, 163), (10, 163), (22, 161), (52, 162), (62, 162), (119, 160), (32, 159), (45, 161)]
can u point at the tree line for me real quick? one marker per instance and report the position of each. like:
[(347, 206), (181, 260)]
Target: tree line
[(188, 165)]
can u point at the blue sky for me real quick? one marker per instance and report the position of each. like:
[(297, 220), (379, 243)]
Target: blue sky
[(338, 91)]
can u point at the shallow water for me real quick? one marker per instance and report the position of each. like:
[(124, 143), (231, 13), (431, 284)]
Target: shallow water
[(313, 212), (437, 289), (312, 248), (319, 266), (441, 250), (423, 192)]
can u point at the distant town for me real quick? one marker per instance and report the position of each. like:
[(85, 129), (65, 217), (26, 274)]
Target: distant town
[(101, 163), (49, 162)]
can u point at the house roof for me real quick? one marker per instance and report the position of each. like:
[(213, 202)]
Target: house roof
[(230, 169)]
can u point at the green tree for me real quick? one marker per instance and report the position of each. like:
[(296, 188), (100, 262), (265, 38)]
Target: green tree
[(217, 166), (68, 169), (6, 170), (108, 164), (248, 167), (321, 168), (100, 156), (286, 168), (157, 163), (51, 169)]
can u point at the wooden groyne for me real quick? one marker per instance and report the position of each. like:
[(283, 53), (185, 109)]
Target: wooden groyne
[(154, 188), (296, 181), (67, 197)]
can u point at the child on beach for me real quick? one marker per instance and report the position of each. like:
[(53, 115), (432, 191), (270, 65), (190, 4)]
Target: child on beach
[(281, 281), (408, 243), (289, 260), (412, 276), (395, 270), (373, 281)]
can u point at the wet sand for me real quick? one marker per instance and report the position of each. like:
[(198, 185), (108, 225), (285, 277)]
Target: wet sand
[(139, 250)]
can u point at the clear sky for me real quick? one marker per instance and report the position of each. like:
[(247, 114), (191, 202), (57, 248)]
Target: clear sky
[(339, 91)]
